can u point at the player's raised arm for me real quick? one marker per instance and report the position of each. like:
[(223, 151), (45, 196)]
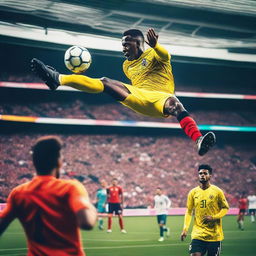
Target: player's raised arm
[(152, 38), (152, 41)]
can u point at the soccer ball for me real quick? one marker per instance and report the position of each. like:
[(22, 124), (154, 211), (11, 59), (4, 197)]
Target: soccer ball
[(77, 59)]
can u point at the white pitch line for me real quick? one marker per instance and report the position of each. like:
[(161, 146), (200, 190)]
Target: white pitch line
[(105, 247), (108, 240), (132, 246)]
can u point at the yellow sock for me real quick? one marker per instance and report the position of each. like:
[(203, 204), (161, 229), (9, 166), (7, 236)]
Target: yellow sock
[(82, 83)]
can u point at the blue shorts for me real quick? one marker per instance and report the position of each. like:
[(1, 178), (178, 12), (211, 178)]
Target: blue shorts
[(161, 219), (115, 208), (252, 211)]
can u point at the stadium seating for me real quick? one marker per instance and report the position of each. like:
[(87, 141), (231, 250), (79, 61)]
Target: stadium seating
[(140, 163)]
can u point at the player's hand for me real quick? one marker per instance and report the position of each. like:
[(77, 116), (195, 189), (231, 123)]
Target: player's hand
[(152, 38), (207, 219), (183, 235)]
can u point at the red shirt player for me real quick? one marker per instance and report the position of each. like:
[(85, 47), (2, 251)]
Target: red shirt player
[(115, 204), (242, 210)]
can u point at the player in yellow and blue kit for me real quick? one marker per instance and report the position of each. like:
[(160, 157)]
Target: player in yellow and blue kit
[(101, 197), (151, 92), (209, 205)]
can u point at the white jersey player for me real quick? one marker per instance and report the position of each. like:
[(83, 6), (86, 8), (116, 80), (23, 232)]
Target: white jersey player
[(252, 206), (162, 204)]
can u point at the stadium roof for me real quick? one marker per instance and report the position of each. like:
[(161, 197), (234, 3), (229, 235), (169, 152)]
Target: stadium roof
[(213, 29)]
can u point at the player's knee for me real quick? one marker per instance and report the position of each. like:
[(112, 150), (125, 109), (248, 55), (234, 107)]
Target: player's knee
[(173, 106), (105, 80)]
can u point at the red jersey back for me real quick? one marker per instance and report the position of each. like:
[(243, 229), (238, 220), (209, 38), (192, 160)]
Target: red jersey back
[(46, 208), (242, 203), (114, 193)]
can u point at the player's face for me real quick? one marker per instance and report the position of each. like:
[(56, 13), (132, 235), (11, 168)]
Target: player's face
[(158, 191), (204, 176), (114, 182), (103, 183), (130, 47)]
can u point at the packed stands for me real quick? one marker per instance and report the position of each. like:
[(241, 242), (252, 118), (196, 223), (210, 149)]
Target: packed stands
[(140, 164)]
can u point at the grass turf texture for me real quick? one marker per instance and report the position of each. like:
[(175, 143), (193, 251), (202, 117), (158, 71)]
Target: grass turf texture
[(141, 239)]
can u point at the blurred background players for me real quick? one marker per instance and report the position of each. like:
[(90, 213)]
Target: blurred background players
[(51, 210), (162, 203), (115, 205), (101, 197), (252, 206), (242, 205), (209, 205)]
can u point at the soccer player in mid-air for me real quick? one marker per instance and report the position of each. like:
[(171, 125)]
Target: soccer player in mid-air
[(209, 205), (152, 90)]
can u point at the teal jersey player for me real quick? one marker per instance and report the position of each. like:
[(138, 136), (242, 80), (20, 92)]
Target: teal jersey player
[(101, 200)]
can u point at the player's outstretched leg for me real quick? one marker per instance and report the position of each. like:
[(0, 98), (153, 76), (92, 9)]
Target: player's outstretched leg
[(47, 73), (53, 79), (204, 142)]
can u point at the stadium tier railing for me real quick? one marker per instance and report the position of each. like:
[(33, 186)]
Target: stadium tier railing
[(110, 123), (205, 95)]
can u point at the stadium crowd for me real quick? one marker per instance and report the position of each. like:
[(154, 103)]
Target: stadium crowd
[(140, 163), (76, 107)]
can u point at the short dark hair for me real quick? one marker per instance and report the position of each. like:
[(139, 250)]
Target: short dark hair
[(46, 153), (134, 33), (206, 167)]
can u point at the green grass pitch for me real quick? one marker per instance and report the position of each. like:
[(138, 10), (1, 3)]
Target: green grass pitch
[(141, 239)]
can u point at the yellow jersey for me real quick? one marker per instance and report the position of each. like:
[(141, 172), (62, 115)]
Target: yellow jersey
[(206, 202), (151, 71)]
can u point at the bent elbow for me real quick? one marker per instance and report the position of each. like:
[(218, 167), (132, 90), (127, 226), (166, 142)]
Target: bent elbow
[(86, 218), (86, 226)]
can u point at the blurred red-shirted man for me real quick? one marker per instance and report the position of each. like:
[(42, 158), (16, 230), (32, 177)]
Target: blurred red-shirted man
[(50, 210), (242, 210), (115, 203)]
